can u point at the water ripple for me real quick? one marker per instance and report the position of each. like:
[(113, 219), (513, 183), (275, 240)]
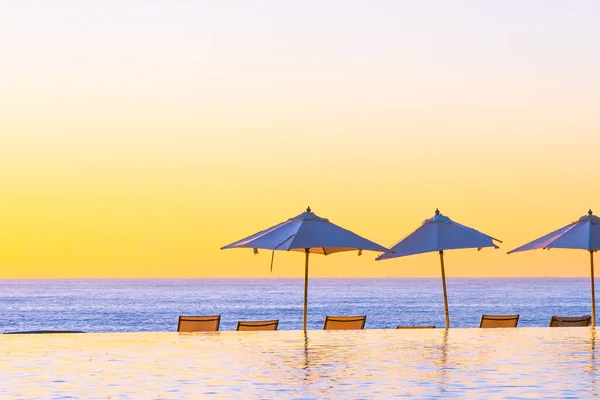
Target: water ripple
[(459, 363)]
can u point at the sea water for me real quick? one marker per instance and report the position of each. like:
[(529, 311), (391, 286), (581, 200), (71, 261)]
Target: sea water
[(139, 305)]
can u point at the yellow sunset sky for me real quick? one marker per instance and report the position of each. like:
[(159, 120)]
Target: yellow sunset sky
[(138, 137)]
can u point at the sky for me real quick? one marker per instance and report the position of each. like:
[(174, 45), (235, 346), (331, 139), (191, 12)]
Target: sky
[(139, 137)]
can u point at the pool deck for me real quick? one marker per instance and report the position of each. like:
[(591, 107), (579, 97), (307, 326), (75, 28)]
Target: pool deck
[(424, 363)]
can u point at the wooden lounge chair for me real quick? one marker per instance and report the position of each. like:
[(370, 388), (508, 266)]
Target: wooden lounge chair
[(257, 325), (585, 320), (188, 323), (345, 323), (415, 327), (499, 321)]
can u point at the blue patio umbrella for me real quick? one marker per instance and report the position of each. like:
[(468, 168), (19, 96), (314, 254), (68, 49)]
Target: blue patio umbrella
[(440, 233), (307, 233), (583, 234)]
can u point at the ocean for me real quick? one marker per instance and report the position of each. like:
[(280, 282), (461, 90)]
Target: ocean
[(142, 305)]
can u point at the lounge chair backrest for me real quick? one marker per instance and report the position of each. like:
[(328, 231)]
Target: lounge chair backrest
[(257, 325), (351, 322), (415, 327), (499, 321), (585, 320), (188, 323)]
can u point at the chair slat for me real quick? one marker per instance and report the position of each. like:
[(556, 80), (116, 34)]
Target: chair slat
[(270, 325), (193, 323), (584, 320), (344, 322), (499, 321)]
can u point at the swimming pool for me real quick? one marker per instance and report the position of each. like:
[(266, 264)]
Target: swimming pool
[(474, 363)]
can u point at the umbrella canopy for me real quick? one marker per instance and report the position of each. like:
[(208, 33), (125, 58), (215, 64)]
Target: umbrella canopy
[(440, 233), (308, 233), (583, 234)]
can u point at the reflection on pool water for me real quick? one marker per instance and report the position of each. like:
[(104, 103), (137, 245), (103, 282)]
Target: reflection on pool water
[(474, 363)]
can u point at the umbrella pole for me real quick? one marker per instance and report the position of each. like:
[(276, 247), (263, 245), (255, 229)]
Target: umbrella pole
[(593, 291), (444, 287), (305, 288)]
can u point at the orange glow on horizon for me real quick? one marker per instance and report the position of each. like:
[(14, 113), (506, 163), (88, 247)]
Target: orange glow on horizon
[(140, 150)]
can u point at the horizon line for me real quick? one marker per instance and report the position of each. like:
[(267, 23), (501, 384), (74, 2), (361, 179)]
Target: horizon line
[(299, 278)]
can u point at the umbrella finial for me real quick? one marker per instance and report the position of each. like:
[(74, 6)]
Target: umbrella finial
[(590, 211), (308, 209), (437, 212)]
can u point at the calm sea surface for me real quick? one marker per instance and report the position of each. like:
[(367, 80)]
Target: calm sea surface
[(98, 305)]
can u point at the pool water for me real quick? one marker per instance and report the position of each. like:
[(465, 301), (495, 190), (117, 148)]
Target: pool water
[(424, 363)]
